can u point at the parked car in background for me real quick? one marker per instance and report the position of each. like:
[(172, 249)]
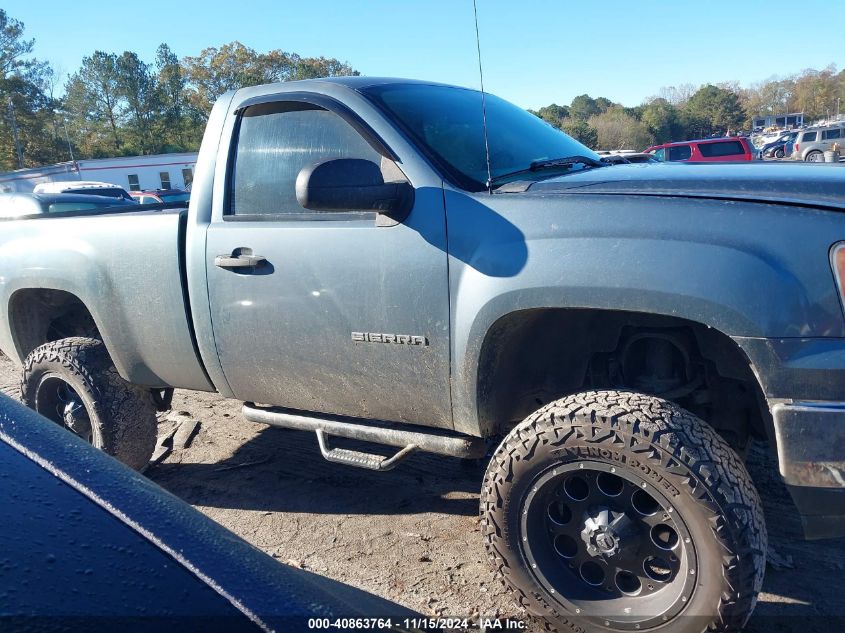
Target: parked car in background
[(17, 205), (152, 196), (633, 157), (778, 148), (716, 150), (812, 143), (770, 136), (89, 187), (789, 148)]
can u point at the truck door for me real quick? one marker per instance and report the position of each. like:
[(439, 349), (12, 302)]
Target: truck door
[(341, 315)]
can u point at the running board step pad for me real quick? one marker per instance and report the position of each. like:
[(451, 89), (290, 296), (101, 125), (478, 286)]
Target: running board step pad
[(359, 459)]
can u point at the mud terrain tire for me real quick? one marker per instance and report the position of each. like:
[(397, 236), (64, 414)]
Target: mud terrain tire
[(649, 444), (118, 417)]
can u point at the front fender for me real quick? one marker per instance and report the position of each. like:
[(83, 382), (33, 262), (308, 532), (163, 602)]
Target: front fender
[(745, 269)]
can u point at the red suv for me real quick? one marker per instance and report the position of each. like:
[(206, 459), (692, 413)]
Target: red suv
[(714, 150)]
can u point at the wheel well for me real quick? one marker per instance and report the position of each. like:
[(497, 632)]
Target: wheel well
[(533, 357), (38, 316)]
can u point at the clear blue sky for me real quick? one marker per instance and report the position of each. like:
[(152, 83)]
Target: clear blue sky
[(535, 52)]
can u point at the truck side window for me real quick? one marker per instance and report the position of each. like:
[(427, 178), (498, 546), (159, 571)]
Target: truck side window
[(275, 141)]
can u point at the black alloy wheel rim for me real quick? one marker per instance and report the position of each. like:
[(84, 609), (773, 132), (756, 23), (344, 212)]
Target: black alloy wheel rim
[(58, 401), (607, 545)]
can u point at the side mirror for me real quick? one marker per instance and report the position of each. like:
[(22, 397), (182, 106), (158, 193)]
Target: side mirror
[(352, 184)]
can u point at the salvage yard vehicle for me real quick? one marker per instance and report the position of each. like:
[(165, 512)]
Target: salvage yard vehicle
[(780, 147), (632, 157), (88, 187), (153, 196), (356, 264), (17, 205), (811, 143), (717, 150)]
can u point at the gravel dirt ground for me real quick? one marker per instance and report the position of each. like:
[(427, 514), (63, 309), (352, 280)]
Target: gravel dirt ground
[(412, 534)]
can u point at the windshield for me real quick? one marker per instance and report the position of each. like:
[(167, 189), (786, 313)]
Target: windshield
[(446, 123)]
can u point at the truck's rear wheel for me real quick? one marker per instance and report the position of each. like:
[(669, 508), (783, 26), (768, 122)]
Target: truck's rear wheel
[(617, 511), (74, 383)]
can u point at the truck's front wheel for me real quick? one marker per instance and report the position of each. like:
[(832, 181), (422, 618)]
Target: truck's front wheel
[(617, 511), (74, 383)]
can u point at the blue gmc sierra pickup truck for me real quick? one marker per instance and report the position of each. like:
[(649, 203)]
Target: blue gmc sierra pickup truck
[(361, 260)]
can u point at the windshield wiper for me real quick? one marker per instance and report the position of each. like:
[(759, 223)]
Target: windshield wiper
[(550, 163)]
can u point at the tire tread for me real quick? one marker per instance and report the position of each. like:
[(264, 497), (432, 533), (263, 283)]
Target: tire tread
[(737, 521), (126, 412)]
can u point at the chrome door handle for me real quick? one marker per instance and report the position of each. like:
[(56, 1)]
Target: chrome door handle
[(239, 261)]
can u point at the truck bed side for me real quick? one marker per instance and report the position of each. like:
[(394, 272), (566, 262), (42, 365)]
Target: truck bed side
[(126, 269)]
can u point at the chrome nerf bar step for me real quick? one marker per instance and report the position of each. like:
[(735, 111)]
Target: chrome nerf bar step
[(370, 461), (378, 432)]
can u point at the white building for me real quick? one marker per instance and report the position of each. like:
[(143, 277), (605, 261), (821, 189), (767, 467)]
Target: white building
[(790, 120), (133, 173)]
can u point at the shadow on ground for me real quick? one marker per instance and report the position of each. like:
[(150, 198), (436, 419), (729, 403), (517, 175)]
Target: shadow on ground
[(282, 471)]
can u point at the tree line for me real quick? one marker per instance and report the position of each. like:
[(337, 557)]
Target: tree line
[(681, 113), (116, 105), (121, 105)]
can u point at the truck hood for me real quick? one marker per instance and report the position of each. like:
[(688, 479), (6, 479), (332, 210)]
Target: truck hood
[(783, 183)]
